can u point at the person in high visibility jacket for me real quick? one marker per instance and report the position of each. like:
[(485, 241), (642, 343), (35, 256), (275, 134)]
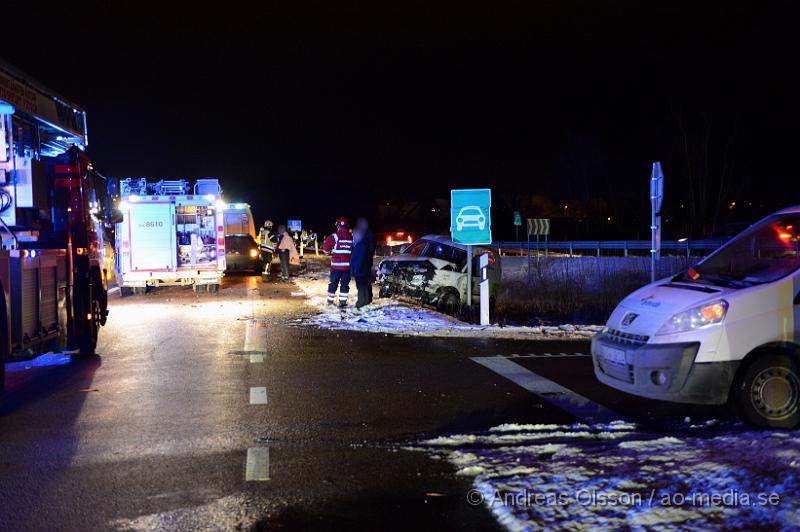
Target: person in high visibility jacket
[(266, 245), (339, 246)]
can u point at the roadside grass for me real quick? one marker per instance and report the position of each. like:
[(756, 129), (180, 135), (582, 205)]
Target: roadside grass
[(581, 290)]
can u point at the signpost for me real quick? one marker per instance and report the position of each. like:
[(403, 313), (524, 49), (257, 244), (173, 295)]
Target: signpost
[(537, 227), (656, 199), (517, 224), (471, 223)]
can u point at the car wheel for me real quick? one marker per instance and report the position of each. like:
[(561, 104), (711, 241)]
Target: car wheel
[(449, 301), (768, 392)]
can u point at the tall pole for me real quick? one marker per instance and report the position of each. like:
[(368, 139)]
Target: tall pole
[(469, 276), (656, 198)]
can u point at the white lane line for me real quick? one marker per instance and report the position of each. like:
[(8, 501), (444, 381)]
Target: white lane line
[(257, 467), (258, 395), (575, 404), (255, 336), (255, 359)]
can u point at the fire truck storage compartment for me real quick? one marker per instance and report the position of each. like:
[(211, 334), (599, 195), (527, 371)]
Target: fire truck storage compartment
[(38, 291), (197, 236), (152, 236)]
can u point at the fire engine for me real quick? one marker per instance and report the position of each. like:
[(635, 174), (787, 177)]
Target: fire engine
[(173, 233), (53, 209)]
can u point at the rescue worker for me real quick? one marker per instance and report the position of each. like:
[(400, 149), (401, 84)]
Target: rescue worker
[(266, 244), (361, 259), (339, 246)]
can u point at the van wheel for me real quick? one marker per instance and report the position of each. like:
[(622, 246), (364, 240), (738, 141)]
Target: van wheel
[(768, 393), (449, 301)]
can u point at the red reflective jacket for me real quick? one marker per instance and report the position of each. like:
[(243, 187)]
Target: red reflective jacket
[(339, 246)]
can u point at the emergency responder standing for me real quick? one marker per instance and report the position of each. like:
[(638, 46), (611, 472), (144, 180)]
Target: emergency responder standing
[(339, 246), (266, 244)]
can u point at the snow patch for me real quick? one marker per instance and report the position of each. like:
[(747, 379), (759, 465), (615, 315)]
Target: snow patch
[(568, 477), (390, 316)]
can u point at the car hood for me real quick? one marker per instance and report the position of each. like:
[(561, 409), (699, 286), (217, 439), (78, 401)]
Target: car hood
[(655, 303)]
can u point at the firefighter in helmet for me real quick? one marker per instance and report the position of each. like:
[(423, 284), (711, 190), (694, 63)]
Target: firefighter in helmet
[(266, 245), (339, 245)]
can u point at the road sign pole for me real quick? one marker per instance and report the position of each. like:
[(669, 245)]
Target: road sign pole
[(469, 276), (656, 198)]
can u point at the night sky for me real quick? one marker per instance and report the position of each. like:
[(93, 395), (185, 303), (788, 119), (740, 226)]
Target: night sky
[(309, 110)]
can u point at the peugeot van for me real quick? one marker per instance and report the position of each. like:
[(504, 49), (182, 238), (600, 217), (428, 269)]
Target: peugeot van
[(724, 331)]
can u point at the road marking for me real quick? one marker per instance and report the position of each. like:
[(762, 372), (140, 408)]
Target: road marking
[(256, 358), (255, 336), (258, 395), (575, 404), (257, 467)]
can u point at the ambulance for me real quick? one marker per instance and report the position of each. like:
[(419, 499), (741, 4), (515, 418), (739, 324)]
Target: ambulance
[(724, 331)]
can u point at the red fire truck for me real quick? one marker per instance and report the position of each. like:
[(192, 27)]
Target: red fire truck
[(53, 210)]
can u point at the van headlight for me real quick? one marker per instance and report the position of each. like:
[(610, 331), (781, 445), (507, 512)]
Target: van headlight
[(696, 317)]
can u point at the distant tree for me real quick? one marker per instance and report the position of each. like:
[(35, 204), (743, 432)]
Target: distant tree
[(707, 127)]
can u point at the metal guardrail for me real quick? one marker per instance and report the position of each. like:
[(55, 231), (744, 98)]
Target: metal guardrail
[(625, 246)]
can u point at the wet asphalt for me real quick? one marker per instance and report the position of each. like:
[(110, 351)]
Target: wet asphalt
[(154, 433)]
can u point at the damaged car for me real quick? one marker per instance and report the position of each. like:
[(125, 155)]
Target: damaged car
[(433, 270)]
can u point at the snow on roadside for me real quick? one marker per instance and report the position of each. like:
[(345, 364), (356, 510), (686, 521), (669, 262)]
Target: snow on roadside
[(569, 477), (391, 316)]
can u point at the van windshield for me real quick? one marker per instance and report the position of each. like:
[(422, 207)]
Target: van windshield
[(763, 253)]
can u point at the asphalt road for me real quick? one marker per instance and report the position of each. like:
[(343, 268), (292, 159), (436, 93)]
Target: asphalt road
[(214, 412)]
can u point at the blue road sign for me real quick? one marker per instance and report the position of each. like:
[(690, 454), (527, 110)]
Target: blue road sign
[(294, 225), (471, 216)]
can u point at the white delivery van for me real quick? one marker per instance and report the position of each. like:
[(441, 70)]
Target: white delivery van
[(726, 330), (172, 234)]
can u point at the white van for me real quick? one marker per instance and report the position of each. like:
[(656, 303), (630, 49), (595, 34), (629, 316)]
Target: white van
[(726, 330)]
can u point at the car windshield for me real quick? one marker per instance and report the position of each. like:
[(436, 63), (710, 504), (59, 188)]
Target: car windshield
[(763, 253), (417, 247)]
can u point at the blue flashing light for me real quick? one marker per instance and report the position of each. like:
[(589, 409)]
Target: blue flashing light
[(6, 108)]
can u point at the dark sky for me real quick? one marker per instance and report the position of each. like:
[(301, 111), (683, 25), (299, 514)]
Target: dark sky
[(311, 109)]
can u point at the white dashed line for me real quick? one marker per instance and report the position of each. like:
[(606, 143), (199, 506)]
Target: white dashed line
[(257, 468), (258, 395), (575, 404), (255, 337)]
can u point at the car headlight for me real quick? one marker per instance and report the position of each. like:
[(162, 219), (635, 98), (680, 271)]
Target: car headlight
[(696, 317)]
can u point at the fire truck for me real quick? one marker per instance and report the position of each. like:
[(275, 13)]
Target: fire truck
[(173, 233), (53, 209)]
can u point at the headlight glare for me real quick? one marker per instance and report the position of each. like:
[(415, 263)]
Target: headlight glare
[(696, 317)]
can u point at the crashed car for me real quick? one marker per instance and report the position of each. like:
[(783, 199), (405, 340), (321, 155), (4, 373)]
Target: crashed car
[(433, 270)]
